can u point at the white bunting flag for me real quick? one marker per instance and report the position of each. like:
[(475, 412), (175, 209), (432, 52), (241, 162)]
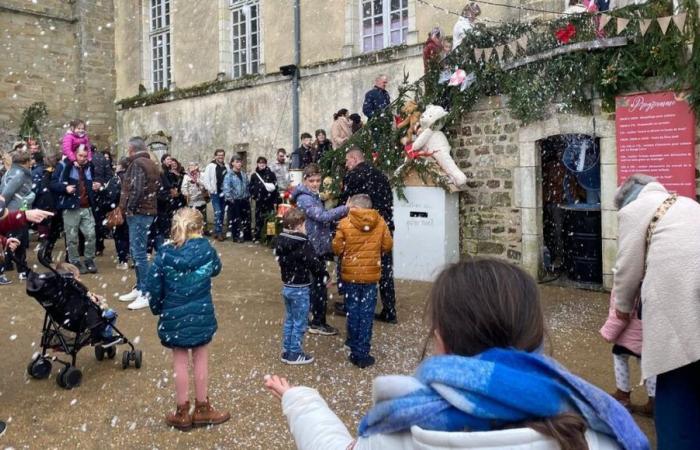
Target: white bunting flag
[(499, 51), (679, 20), (664, 22), (487, 54), (478, 53), (513, 47), (621, 24), (644, 25), (604, 19), (522, 42)]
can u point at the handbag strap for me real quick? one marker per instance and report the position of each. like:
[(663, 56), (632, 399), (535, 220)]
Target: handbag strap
[(261, 178), (660, 212)]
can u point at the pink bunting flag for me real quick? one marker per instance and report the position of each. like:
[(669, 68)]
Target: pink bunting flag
[(604, 19), (487, 54), (621, 24), (679, 20), (664, 22), (522, 42), (513, 47)]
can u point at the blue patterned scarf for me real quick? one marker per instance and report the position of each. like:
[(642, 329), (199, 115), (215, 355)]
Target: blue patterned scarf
[(491, 390)]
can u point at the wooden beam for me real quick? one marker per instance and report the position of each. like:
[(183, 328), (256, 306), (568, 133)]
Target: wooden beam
[(579, 46)]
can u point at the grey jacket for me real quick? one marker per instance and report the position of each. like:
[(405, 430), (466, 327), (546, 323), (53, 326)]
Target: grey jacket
[(16, 188)]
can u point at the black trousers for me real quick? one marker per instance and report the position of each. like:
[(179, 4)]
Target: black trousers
[(262, 210), (101, 231), (49, 232), (20, 254), (386, 285), (121, 242), (239, 219), (318, 296)]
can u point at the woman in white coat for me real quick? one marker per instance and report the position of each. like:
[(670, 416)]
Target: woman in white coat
[(670, 297), (487, 386)]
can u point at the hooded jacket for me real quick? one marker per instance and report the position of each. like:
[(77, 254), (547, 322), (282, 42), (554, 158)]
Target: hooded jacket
[(16, 187), (360, 240), (179, 284), (71, 142), (318, 219), (297, 259)]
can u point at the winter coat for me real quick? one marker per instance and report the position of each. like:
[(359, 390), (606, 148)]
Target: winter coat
[(193, 190), (166, 204), (70, 145), (320, 149), (236, 188), (297, 259), (67, 174), (301, 157), (432, 53), (360, 240), (102, 168), (341, 130), (13, 221), (257, 189), (16, 187), (626, 333), (140, 186), (111, 192), (41, 186), (179, 284), (366, 179), (460, 30), (318, 221), (376, 101), (209, 179), (669, 293), (314, 426)]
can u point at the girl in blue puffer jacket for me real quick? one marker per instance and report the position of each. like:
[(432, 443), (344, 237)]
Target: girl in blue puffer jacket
[(179, 285)]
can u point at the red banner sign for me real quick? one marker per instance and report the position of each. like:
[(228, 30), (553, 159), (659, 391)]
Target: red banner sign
[(656, 136)]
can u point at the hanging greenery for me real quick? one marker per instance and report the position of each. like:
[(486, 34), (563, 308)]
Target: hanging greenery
[(568, 80), (32, 120)]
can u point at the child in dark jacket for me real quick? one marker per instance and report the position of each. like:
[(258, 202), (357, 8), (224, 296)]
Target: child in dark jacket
[(179, 285), (297, 260)]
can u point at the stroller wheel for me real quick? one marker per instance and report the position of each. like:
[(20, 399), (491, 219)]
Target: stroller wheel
[(39, 368), (137, 358), (99, 353), (111, 352), (126, 356), (69, 377)]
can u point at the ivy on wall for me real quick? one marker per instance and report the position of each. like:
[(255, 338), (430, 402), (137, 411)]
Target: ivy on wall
[(569, 80)]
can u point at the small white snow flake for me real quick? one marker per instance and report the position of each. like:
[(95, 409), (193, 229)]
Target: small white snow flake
[(114, 421), (74, 401), (13, 337)]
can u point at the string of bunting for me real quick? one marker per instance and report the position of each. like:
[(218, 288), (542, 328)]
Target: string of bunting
[(604, 19)]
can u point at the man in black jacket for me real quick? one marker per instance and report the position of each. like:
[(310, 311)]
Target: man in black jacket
[(376, 99), (364, 178)]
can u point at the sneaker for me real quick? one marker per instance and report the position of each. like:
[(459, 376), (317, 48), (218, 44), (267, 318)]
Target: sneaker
[(90, 266), (323, 329), (111, 341), (298, 359), (81, 268), (4, 280), (22, 276), (122, 266), (362, 362), (140, 303), (131, 296), (386, 318), (284, 356)]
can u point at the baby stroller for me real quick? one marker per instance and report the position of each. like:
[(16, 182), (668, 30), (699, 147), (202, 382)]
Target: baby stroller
[(72, 321)]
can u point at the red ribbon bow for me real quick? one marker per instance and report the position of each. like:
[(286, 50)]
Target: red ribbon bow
[(564, 35)]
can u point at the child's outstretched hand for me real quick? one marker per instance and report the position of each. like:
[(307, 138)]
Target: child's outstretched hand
[(276, 385)]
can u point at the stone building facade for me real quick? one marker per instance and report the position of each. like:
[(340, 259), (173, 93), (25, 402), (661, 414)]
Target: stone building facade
[(61, 53)]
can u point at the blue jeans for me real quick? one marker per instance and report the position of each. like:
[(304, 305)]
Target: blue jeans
[(139, 227), (296, 307), (677, 409), (218, 203), (360, 300)]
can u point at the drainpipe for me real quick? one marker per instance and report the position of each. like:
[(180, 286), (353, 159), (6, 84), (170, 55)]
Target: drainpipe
[(295, 77)]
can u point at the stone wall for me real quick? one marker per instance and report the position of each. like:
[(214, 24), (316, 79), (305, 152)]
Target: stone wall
[(60, 53), (485, 146)]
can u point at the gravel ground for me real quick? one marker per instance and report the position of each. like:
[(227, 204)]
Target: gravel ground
[(115, 408)]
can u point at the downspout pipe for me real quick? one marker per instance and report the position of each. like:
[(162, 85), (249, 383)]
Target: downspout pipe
[(295, 77)]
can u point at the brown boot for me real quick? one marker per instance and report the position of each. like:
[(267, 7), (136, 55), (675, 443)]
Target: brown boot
[(645, 410), (622, 397), (181, 419), (205, 414)]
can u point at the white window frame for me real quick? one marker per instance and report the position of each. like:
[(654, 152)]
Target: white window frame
[(160, 44), (386, 24), (251, 66)]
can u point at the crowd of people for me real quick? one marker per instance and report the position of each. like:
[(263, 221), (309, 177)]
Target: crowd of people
[(489, 381)]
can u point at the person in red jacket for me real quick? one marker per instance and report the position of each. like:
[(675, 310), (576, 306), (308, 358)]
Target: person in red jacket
[(13, 220)]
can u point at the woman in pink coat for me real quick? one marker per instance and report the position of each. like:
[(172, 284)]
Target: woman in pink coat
[(626, 337), (74, 138)]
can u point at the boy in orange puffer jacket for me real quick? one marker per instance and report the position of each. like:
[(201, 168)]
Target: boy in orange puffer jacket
[(360, 240)]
